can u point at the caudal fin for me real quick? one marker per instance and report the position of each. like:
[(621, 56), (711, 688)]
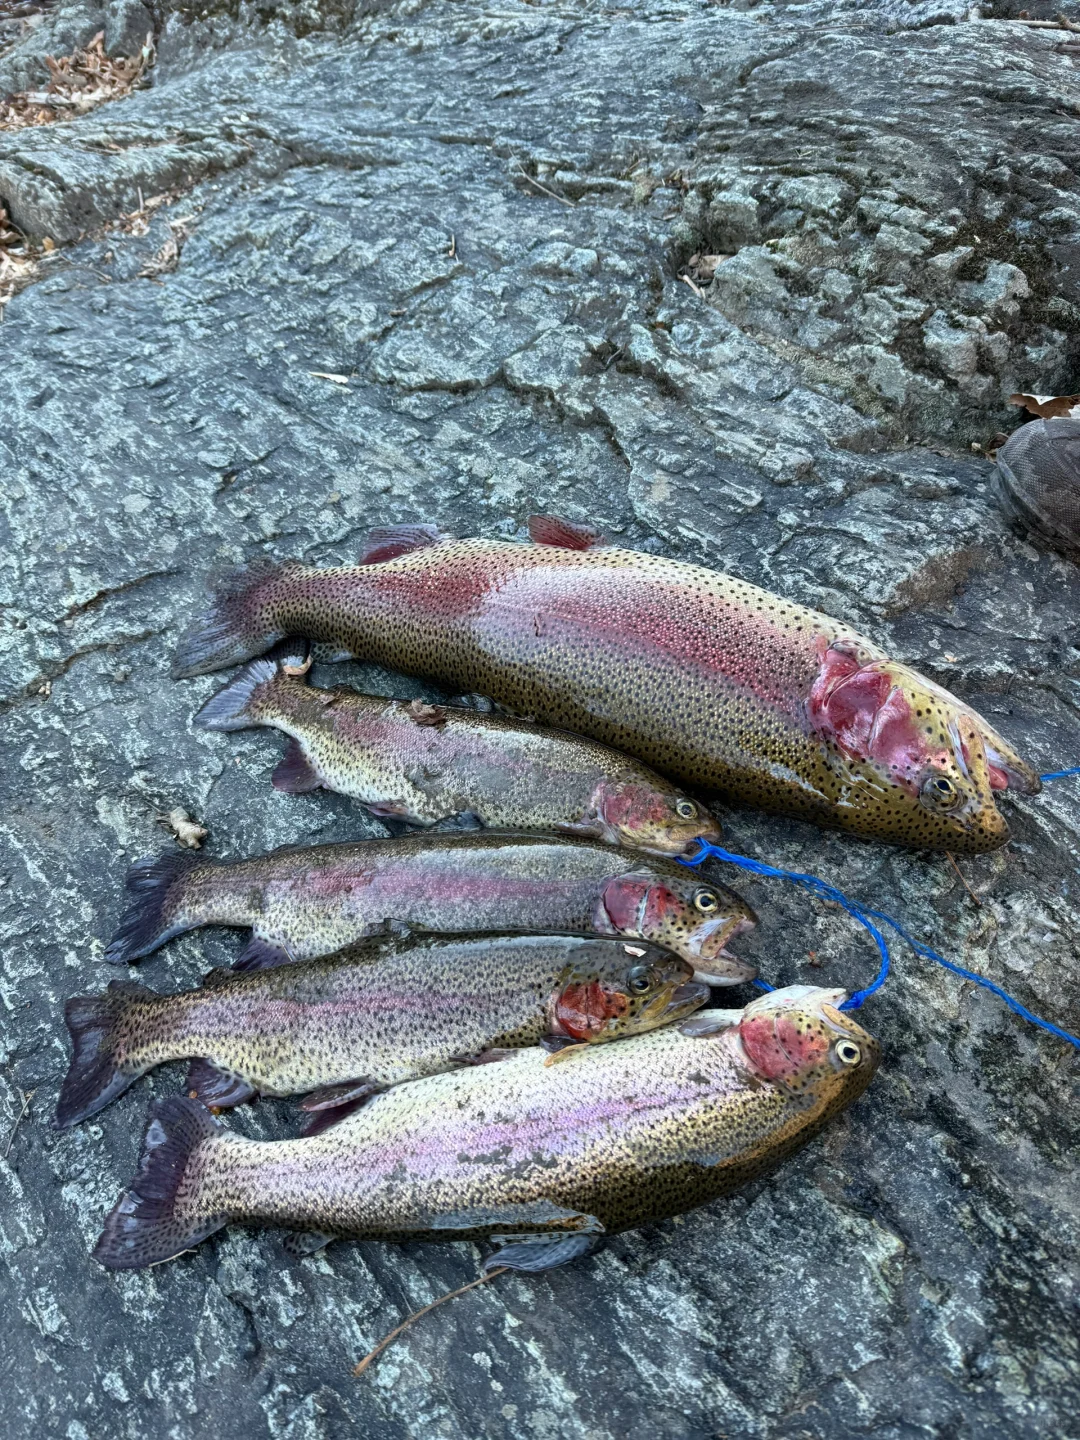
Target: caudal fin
[(95, 1077), (239, 705), (151, 1221), (156, 885), (228, 709), (234, 627)]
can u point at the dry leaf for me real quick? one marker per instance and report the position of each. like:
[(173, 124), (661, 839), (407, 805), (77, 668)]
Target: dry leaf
[(702, 268), (185, 829), (329, 375), (78, 83), (165, 260), (1048, 406)]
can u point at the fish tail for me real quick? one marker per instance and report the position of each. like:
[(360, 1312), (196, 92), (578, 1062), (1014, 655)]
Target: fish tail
[(95, 1076), (161, 1214), (156, 885), (237, 625), (233, 708)]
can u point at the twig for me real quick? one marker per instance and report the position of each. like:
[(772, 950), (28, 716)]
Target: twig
[(362, 1365), (27, 1097), (1061, 23), (960, 874), (561, 198)]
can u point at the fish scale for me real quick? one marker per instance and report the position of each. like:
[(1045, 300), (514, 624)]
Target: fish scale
[(381, 1013), (423, 763), (617, 1137), (706, 678), (304, 903)]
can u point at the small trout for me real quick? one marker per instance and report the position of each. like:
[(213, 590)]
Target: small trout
[(347, 1026), (423, 763), (305, 903), (620, 1136), (711, 681)]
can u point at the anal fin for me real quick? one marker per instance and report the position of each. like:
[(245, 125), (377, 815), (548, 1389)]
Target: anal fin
[(300, 1243), (334, 1102), (295, 775), (218, 1089), (260, 954)]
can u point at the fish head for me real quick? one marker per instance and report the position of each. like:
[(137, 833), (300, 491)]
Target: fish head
[(922, 762), (691, 917), (646, 817), (613, 989), (800, 1039)]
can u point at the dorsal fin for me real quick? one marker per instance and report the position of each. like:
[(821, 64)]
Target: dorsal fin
[(387, 542), (566, 534)]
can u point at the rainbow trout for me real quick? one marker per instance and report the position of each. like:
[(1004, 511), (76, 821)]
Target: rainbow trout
[(356, 1023), (304, 903), (423, 763), (710, 680), (548, 1160)]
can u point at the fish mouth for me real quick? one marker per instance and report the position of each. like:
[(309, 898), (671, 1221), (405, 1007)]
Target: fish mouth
[(1005, 770), (681, 844), (712, 961), (727, 969), (709, 831), (677, 1004), (1017, 774)]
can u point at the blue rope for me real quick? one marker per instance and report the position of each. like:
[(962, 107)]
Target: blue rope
[(866, 918), (1060, 774)]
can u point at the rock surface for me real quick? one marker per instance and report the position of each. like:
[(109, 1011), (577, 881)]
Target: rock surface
[(478, 214)]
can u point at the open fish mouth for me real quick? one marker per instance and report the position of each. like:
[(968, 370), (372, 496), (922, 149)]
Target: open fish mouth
[(713, 962), (678, 1003)]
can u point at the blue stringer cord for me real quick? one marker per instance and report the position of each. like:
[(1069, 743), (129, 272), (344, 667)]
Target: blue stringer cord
[(1060, 774), (829, 892)]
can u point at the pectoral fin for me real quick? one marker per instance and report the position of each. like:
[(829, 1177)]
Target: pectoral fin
[(538, 1215), (536, 1253), (710, 1022)]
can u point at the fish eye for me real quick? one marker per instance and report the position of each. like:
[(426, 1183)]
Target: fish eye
[(707, 901), (848, 1053), (686, 809), (939, 791), (640, 979)]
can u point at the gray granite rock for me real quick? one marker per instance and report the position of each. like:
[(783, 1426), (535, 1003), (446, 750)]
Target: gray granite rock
[(479, 213)]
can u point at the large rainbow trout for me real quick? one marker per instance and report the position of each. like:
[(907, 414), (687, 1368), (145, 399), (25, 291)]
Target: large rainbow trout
[(350, 1025), (547, 1159), (304, 903), (423, 763), (709, 680)]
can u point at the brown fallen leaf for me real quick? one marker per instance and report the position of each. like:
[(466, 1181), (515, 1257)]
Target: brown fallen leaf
[(702, 268), (185, 829), (1048, 406), (78, 83)]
